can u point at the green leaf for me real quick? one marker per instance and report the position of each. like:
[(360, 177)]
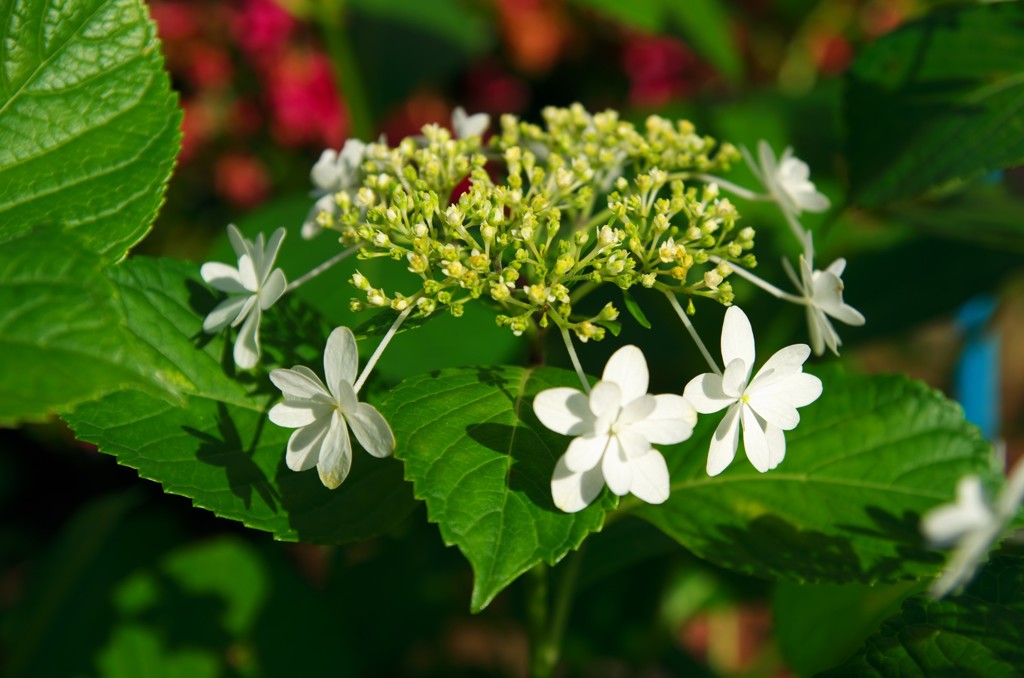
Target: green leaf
[(451, 20), (216, 445), (976, 633), (483, 463), (868, 458), (819, 626), (937, 100), (62, 337), (635, 310), (88, 119)]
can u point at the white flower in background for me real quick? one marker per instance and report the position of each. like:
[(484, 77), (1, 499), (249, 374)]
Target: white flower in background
[(614, 427), (763, 407), (252, 288), (787, 179), (971, 525), (333, 173), (322, 414), (823, 291), (466, 126)]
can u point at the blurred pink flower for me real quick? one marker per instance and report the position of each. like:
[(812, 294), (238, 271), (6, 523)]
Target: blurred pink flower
[(304, 104), (262, 29), (660, 69), (175, 20), (241, 179)]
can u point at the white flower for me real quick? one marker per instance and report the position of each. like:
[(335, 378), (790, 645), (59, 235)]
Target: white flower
[(252, 288), (333, 173), (823, 291), (322, 414), (614, 427), (763, 407), (788, 180), (466, 126), (972, 526)]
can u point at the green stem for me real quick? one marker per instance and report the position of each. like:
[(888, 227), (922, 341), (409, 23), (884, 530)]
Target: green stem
[(331, 17), (547, 624)]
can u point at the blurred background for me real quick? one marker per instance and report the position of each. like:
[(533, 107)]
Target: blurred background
[(103, 574)]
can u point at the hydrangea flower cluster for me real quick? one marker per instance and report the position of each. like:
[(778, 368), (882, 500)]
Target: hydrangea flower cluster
[(529, 222)]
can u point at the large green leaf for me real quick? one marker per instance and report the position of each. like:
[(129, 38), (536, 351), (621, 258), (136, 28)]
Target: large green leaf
[(937, 100), (974, 634), (483, 463), (215, 444), (868, 458), (88, 119), (62, 337)]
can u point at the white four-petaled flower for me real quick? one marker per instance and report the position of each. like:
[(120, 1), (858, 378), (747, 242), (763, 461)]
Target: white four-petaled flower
[(333, 173), (823, 291), (466, 126), (971, 525), (252, 288), (787, 179), (323, 414), (763, 406), (614, 427)]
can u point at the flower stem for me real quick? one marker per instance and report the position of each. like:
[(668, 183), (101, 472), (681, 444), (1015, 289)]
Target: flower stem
[(337, 258), (802, 235), (575, 359), (763, 284), (732, 188), (547, 623), (693, 332), (383, 344)]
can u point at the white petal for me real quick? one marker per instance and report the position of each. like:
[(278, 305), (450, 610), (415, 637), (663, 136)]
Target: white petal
[(305, 443), (300, 383), (564, 410), (249, 304), (239, 243), (734, 379), (221, 316), (258, 249), (639, 409), (628, 369), (812, 200), (273, 289), (783, 364), (346, 398), (247, 344), (325, 174), (341, 359), (837, 267), (798, 390), (774, 410), (724, 442), (466, 126), (222, 277), (572, 492), (737, 337), (310, 227), (776, 445), (767, 160), (946, 524), (632, 444), (351, 157), (247, 273), (299, 413), (816, 322), (585, 452), (705, 393), (336, 454), (270, 253), (615, 468), (372, 430), (754, 441), (605, 399), (650, 478), (671, 422), (1013, 492)]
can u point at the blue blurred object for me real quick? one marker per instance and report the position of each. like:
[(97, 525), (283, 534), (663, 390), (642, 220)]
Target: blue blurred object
[(977, 371)]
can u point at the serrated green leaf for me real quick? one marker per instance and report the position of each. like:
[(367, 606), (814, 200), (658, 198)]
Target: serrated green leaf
[(868, 458), (635, 310), (88, 119), (217, 446), (973, 634), (937, 100), (483, 463), (62, 337)]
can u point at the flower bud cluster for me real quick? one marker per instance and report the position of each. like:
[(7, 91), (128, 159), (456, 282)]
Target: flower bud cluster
[(545, 214)]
